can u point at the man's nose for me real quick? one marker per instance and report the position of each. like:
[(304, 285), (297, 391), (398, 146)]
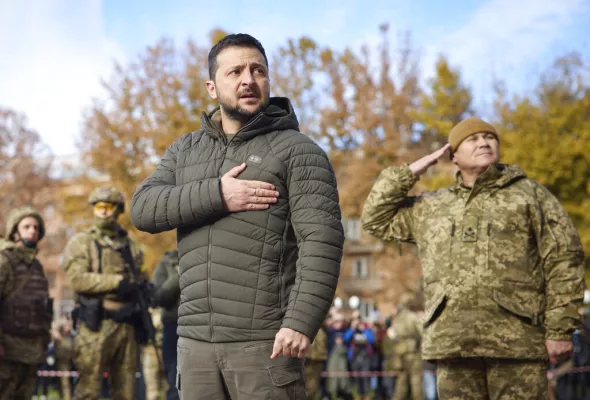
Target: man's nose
[(247, 77)]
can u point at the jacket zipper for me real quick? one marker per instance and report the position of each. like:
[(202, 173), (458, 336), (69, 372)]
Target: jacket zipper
[(209, 297), (281, 277)]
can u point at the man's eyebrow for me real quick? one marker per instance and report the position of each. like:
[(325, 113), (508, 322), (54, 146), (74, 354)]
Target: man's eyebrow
[(255, 64)]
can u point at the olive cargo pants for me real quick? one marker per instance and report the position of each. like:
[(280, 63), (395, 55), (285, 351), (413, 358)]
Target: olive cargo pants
[(237, 371)]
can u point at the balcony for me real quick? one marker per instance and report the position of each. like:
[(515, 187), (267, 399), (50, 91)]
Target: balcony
[(361, 286), (357, 247)]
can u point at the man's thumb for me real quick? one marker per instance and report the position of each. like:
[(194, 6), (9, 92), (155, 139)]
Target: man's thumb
[(235, 171)]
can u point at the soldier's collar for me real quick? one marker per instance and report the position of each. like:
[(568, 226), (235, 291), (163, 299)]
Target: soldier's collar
[(488, 178)]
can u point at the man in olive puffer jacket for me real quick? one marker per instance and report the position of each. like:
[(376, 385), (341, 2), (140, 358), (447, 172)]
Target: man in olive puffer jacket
[(255, 206)]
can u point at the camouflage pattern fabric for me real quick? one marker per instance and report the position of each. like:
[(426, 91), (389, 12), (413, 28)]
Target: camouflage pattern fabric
[(409, 378), (107, 194), (111, 349), (502, 258), (491, 379), (313, 374), (81, 262), (406, 350), (155, 382), (64, 353), (17, 214), (17, 380), (319, 347), (17, 348)]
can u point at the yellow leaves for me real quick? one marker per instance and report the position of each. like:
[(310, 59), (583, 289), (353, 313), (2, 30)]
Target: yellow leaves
[(548, 135)]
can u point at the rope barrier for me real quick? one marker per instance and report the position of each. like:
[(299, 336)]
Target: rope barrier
[(551, 374)]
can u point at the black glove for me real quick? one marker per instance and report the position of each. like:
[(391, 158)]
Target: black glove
[(126, 289)]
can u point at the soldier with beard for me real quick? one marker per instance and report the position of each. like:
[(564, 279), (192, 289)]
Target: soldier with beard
[(101, 278), (25, 306)]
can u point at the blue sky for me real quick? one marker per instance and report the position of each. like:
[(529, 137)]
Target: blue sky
[(55, 52)]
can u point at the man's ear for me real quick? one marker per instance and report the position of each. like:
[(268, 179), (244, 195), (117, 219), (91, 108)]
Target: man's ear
[(452, 157), (211, 89)]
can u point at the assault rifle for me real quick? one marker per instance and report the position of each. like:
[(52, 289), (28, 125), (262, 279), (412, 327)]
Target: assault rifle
[(144, 326)]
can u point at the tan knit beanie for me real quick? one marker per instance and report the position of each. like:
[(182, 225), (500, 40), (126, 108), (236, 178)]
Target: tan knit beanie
[(468, 127)]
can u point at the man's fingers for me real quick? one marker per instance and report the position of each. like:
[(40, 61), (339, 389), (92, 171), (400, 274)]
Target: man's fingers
[(235, 171), (276, 350), (302, 351), (442, 151), (265, 192), (259, 185), (255, 206), (262, 200)]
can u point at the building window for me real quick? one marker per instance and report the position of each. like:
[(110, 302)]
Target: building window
[(366, 308), (360, 267), (352, 229)]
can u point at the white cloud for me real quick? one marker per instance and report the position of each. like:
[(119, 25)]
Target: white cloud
[(54, 53), (505, 38)]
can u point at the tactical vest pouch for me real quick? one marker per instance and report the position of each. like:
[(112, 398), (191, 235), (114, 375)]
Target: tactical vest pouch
[(26, 318), (91, 312)]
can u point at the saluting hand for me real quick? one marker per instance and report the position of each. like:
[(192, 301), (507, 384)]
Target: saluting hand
[(421, 166), (242, 195)]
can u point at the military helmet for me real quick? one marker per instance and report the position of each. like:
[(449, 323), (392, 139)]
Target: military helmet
[(108, 194), (16, 215), (406, 299)]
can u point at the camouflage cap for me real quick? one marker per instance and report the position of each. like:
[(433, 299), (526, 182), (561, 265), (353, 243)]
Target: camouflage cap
[(16, 215), (108, 194)]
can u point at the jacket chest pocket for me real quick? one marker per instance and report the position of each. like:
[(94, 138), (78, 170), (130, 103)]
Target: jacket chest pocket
[(512, 250), (435, 246)]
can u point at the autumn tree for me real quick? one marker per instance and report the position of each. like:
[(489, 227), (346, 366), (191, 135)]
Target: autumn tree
[(25, 165), (294, 68), (547, 133), (366, 119), (444, 102), (149, 104)]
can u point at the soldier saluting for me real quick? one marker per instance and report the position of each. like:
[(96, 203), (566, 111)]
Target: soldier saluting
[(101, 278), (25, 307), (502, 262)]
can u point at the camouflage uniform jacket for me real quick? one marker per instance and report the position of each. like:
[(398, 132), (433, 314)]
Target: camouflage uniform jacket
[(502, 262), (408, 330), (319, 347), (81, 262)]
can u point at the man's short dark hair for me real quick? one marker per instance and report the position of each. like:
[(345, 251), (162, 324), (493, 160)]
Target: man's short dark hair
[(232, 40)]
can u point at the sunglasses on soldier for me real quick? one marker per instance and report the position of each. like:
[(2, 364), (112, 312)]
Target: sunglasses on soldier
[(104, 206)]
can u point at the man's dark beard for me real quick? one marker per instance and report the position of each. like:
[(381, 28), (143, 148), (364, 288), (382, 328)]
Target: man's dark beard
[(239, 114)]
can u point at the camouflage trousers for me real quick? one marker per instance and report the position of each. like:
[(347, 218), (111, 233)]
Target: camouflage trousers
[(17, 380), (64, 381), (113, 349), (491, 379), (313, 374), (409, 378), (153, 373)]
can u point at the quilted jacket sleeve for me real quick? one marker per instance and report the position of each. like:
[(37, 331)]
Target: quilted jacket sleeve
[(316, 220), (159, 204)]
